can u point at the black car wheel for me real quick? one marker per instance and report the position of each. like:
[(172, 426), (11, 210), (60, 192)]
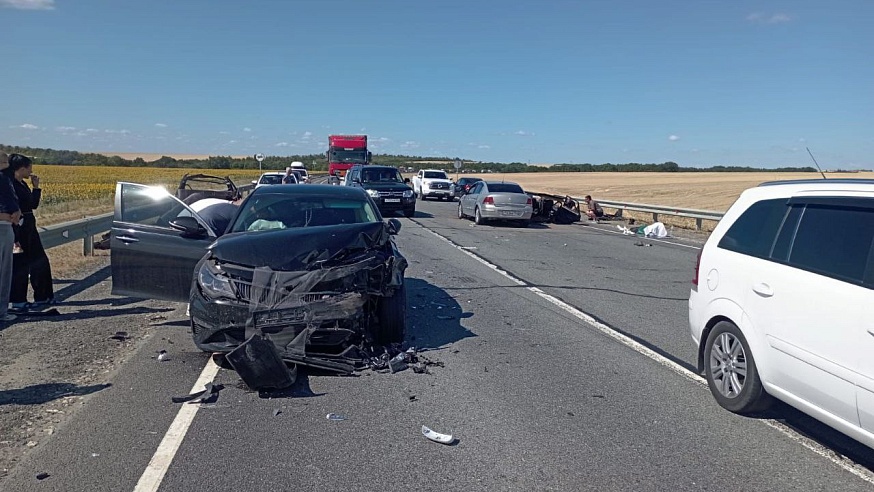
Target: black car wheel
[(731, 372), (523, 223), (392, 317), (478, 218), (422, 196), (460, 211)]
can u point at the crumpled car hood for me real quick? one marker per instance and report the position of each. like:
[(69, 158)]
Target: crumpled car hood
[(301, 248)]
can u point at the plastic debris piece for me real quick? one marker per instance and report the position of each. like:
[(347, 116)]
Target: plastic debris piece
[(437, 437), (397, 363), (445, 317), (42, 476), (259, 365), (413, 398), (420, 368), (120, 336), (277, 412), (163, 356), (335, 417), (209, 394)]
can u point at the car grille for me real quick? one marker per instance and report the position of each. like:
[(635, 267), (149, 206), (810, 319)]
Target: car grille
[(244, 293), (391, 194), (439, 186)]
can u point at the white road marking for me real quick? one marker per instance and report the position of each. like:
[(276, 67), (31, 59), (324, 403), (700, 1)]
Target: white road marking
[(163, 457), (839, 460)]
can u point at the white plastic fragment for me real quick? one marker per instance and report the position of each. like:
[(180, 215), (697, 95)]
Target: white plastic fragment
[(436, 436), (335, 417)]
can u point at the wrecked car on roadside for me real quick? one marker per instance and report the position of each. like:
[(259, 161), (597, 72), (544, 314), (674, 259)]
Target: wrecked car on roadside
[(315, 269)]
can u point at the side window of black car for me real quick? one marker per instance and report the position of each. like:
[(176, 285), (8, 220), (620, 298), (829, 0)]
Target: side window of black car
[(835, 241), (753, 233)]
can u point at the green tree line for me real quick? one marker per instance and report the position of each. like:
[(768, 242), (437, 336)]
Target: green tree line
[(318, 162)]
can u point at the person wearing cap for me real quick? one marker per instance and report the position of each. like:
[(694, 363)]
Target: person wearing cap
[(9, 214)]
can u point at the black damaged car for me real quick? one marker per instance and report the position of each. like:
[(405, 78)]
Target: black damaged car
[(313, 268)]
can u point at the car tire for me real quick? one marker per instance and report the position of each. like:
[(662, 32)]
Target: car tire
[(421, 197), (460, 211), (477, 217), (523, 223), (392, 318), (731, 373), (409, 212)]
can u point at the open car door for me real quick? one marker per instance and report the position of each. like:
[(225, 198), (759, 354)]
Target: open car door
[(150, 258)]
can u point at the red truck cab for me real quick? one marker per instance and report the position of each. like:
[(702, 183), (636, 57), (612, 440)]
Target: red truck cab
[(344, 151)]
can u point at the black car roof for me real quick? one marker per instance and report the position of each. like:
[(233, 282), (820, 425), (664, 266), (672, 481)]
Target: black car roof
[(375, 166), (313, 190)]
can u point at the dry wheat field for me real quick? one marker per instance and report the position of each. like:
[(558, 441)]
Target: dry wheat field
[(73, 192)]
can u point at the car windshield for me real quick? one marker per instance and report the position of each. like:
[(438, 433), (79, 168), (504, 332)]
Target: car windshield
[(282, 211), (271, 179), (435, 175), (380, 175), (505, 188), (350, 156)]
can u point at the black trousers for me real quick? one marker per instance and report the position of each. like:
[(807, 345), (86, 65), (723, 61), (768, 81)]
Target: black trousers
[(32, 264)]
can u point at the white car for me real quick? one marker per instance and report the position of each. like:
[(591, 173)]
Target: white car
[(271, 179), (781, 302)]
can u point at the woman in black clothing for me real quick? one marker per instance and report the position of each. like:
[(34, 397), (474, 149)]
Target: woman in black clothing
[(32, 263)]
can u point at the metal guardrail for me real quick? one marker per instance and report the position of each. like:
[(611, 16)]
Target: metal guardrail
[(85, 229), (699, 215)]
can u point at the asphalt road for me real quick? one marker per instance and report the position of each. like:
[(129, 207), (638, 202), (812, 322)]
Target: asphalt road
[(537, 398)]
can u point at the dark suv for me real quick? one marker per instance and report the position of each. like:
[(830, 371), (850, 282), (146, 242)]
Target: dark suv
[(385, 185)]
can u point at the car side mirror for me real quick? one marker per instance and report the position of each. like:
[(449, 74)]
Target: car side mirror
[(407, 180), (254, 181), (356, 180), (394, 226), (189, 226)]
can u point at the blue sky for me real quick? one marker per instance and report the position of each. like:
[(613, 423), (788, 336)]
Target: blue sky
[(700, 82)]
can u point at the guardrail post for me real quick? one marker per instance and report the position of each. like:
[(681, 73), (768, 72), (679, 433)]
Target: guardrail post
[(88, 245), (655, 217), (698, 223)]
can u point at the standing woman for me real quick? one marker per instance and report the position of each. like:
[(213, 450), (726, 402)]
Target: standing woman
[(32, 263)]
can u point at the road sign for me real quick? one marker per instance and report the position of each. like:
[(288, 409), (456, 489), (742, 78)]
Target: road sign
[(457, 164), (259, 157)]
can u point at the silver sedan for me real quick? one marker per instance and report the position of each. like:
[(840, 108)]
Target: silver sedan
[(490, 200)]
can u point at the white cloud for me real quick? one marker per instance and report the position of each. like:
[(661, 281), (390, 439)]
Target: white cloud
[(65, 128), (92, 130), (224, 133), (523, 133), (410, 144), (247, 129), (118, 132), (484, 146), (763, 18), (802, 140), (28, 126), (28, 4), (282, 144), (306, 135), (673, 138), (381, 139), (161, 125)]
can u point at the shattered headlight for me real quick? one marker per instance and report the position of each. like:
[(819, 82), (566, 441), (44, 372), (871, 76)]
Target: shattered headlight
[(408, 194), (373, 193), (213, 282)]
